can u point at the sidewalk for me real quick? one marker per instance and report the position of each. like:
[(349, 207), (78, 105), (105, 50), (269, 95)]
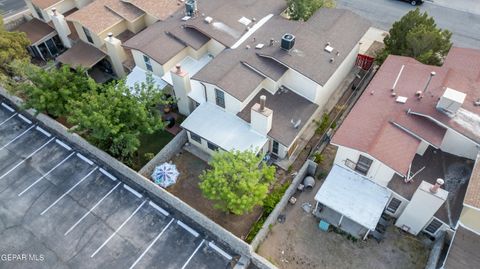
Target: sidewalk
[(470, 6)]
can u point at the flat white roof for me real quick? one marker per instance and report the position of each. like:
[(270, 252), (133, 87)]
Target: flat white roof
[(222, 128), (191, 65), (138, 75), (354, 196)]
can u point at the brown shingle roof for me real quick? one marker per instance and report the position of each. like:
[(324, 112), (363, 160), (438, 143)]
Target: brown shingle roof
[(464, 250), (374, 111), (472, 198), (100, 15), (81, 54), (43, 4), (160, 9), (35, 30), (285, 106)]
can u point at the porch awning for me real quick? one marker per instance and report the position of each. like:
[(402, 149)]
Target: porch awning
[(354, 196), (37, 31), (191, 65), (81, 54), (138, 75), (223, 129)]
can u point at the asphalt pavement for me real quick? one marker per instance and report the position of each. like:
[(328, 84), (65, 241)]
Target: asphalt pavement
[(460, 18), (60, 209), (10, 7)]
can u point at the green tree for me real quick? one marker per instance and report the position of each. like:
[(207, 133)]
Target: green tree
[(13, 46), (50, 90), (236, 181), (303, 9), (416, 35), (113, 118)]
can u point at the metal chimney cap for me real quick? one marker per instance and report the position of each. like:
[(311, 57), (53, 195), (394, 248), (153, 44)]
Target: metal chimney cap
[(110, 34), (433, 73), (440, 181), (263, 97)]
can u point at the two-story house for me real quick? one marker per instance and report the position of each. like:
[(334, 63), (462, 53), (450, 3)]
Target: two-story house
[(416, 127)]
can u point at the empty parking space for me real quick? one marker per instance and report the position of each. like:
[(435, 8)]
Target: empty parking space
[(60, 205)]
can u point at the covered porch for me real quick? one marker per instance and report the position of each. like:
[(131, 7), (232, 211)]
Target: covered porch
[(89, 57), (45, 43), (351, 202)]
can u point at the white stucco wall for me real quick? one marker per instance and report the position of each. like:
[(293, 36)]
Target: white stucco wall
[(300, 84), (61, 7), (459, 145), (378, 172), (138, 58), (214, 47), (422, 147), (336, 79), (232, 104), (82, 3)]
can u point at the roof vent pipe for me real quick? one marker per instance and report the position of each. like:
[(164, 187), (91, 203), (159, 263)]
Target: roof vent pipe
[(263, 100), (54, 10), (432, 74), (438, 184)]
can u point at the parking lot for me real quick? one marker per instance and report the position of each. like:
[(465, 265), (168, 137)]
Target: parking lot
[(59, 209)]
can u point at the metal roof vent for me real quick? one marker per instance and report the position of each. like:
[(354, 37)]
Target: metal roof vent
[(328, 48), (401, 99), (296, 124), (288, 41), (259, 46), (208, 19)]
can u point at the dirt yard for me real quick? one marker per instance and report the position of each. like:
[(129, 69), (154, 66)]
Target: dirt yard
[(299, 243), (186, 188)]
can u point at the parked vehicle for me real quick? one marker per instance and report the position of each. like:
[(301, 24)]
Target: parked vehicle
[(413, 2)]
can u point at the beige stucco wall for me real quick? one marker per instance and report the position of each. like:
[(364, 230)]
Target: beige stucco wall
[(136, 25), (471, 218)]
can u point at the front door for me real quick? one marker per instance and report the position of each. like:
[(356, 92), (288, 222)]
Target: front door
[(275, 147)]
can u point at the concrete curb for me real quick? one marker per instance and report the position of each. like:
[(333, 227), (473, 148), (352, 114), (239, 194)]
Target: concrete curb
[(143, 185)]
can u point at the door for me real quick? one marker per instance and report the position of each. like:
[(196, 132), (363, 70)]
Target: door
[(275, 147)]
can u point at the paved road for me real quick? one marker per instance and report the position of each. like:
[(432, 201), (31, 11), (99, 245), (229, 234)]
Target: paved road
[(464, 25), (10, 7)]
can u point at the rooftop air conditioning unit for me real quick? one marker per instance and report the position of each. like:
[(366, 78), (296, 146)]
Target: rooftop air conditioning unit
[(288, 41), (451, 101)]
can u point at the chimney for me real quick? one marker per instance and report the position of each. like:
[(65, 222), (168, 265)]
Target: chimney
[(116, 53), (261, 117), (424, 203), (438, 184), (61, 26), (182, 87)]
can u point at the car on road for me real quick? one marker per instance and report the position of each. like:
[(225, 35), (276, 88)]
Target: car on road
[(413, 2)]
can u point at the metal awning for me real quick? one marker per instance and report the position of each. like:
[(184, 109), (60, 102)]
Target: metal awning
[(191, 65), (81, 54), (354, 196), (138, 75)]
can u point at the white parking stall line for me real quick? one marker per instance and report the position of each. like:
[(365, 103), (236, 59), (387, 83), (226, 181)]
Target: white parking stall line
[(24, 160), (187, 228), (193, 254), (43, 131), (46, 174), (17, 137), (151, 244), (9, 118), (63, 145), (158, 208), (91, 209), (118, 229), (69, 190), (24, 119), (219, 250), (8, 107), (108, 174), (84, 158), (134, 192)]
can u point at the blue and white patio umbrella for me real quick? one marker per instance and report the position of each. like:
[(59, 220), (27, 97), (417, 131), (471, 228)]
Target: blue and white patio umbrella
[(165, 175)]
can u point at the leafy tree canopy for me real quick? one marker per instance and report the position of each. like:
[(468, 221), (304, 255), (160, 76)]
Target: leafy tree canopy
[(416, 35), (304, 9), (236, 181), (49, 90), (113, 117), (13, 46)]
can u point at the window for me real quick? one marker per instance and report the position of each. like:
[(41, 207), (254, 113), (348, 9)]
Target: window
[(88, 35), (363, 165), (220, 98), (39, 12), (212, 146), (433, 227), (195, 138), (393, 205), (275, 147), (148, 64)]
